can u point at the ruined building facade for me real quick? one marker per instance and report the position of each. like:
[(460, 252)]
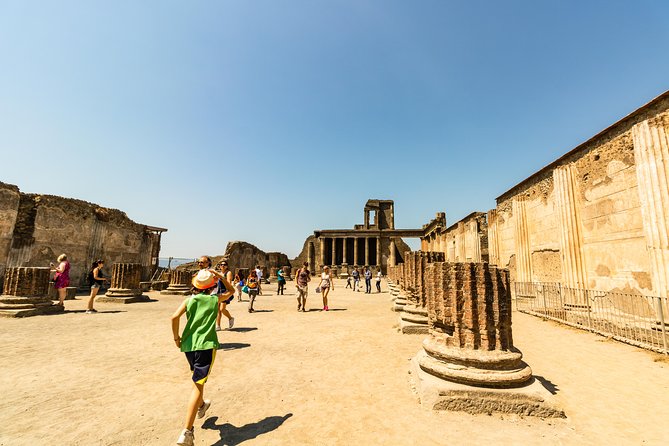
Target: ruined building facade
[(374, 243), (36, 229), (596, 218)]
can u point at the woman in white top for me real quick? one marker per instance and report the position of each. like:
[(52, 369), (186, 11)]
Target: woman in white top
[(325, 285)]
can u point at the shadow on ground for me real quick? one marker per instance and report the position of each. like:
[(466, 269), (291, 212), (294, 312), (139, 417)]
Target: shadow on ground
[(233, 435), (552, 388), (263, 311), (242, 329), (232, 346)]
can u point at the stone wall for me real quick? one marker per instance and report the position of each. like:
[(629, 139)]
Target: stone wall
[(597, 217), (36, 229)]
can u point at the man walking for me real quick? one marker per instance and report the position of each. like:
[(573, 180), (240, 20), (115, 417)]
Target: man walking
[(368, 280)]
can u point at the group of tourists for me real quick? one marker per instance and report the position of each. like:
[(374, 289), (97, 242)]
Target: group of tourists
[(367, 275), (61, 280)]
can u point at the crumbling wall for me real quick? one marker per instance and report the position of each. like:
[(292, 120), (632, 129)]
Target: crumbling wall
[(46, 226)]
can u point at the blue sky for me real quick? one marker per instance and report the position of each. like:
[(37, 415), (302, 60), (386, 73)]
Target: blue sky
[(264, 120)]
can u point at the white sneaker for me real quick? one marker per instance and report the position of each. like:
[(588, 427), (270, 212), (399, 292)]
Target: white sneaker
[(231, 322), (218, 328), (203, 408), (186, 438)]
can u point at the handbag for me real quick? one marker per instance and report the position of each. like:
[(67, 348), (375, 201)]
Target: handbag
[(318, 289), (245, 289)]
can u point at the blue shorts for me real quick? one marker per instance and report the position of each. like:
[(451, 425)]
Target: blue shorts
[(200, 362)]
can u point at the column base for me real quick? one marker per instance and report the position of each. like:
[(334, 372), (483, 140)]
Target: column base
[(17, 306), (437, 394), (407, 327)]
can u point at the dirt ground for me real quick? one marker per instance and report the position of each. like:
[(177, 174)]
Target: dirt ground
[(288, 378)]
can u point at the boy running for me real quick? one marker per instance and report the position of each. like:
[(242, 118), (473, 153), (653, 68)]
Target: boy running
[(199, 341)]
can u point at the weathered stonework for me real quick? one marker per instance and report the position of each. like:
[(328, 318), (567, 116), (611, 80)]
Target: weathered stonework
[(36, 229), (413, 318), (468, 362), (26, 293), (125, 287), (180, 283)]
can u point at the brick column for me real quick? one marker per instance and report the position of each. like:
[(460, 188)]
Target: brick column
[(355, 250), (366, 250), (322, 257), (180, 282), (125, 284), (334, 251), (471, 344), (392, 260), (26, 293), (378, 252)]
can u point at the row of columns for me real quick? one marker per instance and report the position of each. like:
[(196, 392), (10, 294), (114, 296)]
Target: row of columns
[(366, 243)]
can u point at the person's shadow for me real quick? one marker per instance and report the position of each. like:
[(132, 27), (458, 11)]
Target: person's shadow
[(232, 435)]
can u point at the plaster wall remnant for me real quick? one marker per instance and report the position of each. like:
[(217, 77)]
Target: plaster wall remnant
[(36, 229), (26, 293), (468, 361), (603, 208), (464, 241)]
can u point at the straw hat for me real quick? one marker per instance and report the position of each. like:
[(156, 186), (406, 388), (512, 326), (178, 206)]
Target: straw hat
[(204, 279)]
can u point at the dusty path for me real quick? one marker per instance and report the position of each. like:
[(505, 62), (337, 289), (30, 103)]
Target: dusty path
[(283, 377)]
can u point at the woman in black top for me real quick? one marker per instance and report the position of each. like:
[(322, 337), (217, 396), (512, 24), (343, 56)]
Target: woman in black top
[(95, 279)]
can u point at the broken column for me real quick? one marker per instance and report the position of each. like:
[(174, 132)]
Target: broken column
[(125, 286), (413, 318), (180, 283), (468, 362), (26, 293)]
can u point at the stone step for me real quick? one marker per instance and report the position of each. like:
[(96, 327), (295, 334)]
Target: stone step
[(20, 300)]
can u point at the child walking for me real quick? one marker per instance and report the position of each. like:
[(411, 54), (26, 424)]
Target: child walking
[(199, 341)]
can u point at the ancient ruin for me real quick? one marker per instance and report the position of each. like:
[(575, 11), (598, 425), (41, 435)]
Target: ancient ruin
[(36, 229), (25, 293), (125, 286), (375, 243), (413, 318), (468, 362), (180, 282)]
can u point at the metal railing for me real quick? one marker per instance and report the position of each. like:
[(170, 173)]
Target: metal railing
[(631, 318)]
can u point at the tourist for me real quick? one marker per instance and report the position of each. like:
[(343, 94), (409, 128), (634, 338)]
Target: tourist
[(199, 341), (259, 275), (325, 285), (302, 279), (62, 277), (368, 280), (253, 284), (239, 284), (281, 281), (378, 280), (96, 280), (220, 289), (356, 278), (348, 282), (204, 262)]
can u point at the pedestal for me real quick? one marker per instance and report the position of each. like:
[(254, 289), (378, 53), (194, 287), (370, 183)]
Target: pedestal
[(125, 285), (180, 283), (26, 293)]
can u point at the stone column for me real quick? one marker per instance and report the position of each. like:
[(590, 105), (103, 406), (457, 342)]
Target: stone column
[(522, 242), (125, 284), (413, 318), (493, 240), (355, 251), (651, 154), (180, 282), (26, 293), (392, 259), (322, 257), (366, 250), (310, 255), (334, 251), (569, 219), (470, 349), (345, 259), (366, 219), (379, 261)]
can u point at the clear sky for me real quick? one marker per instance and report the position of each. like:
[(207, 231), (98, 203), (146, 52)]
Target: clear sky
[(264, 120)]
